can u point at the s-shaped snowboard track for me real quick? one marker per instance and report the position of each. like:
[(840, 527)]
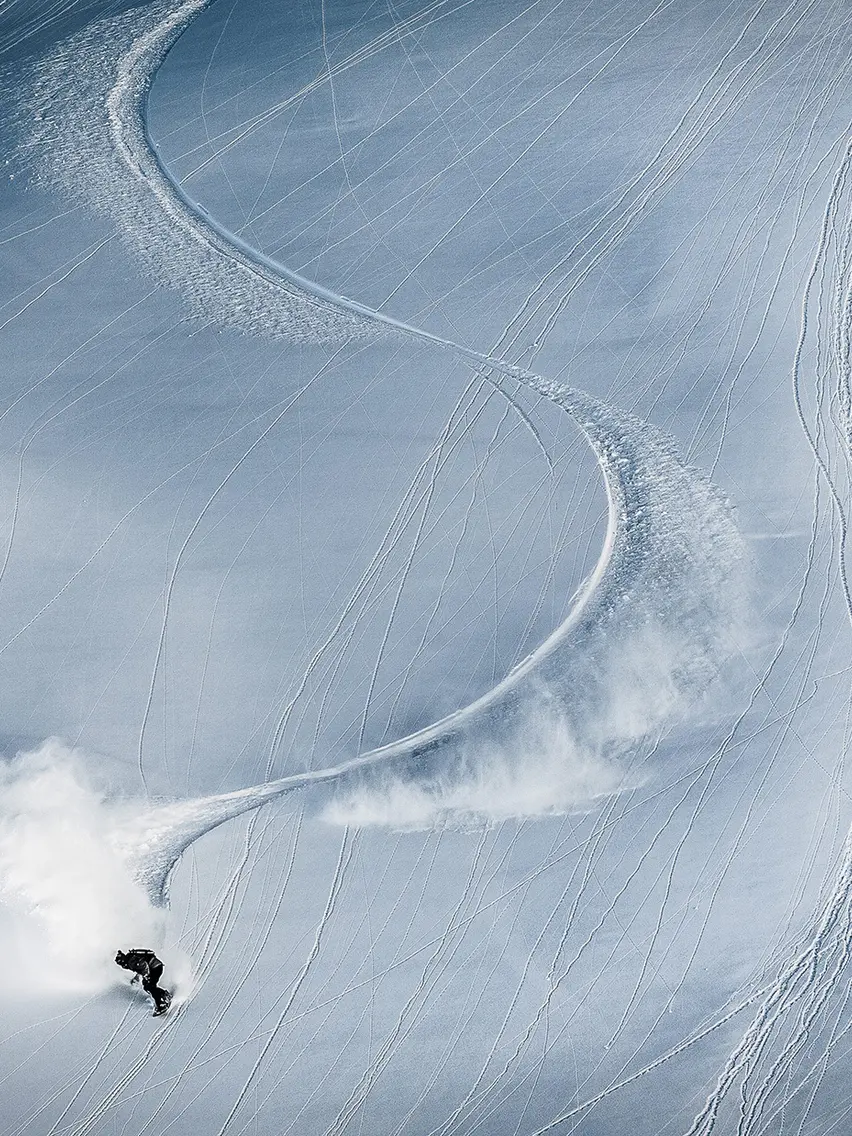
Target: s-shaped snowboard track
[(671, 557), (671, 561)]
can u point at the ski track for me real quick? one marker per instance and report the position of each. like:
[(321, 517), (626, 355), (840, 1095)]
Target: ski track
[(649, 562), (654, 569)]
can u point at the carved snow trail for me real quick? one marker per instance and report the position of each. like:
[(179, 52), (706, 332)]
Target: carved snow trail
[(653, 502), (656, 575), (665, 592), (97, 140), (665, 584)]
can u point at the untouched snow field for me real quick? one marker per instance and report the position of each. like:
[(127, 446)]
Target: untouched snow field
[(424, 606)]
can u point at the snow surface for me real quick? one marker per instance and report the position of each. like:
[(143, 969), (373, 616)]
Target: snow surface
[(473, 498)]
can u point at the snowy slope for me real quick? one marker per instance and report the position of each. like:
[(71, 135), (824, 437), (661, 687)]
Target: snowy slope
[(568, 729)]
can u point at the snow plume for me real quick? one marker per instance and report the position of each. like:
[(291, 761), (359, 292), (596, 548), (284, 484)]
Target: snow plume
[(561, 748), (71, 900), (542, 769), (559, 755), (662, 615)]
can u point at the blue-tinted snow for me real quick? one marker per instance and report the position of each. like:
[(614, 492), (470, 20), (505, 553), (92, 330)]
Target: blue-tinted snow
[(248, 537)]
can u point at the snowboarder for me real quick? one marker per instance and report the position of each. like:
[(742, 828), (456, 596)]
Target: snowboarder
[(147, 968)]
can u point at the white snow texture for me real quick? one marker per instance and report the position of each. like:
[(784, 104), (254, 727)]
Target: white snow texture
[(538, 739)]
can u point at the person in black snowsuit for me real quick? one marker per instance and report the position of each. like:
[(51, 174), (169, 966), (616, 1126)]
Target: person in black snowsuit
[(147, 968)]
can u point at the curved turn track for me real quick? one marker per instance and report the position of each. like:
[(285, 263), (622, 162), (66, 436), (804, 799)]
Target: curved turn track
[(668, 568)]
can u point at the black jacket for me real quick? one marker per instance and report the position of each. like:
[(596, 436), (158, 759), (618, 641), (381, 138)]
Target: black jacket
[(142, 962)]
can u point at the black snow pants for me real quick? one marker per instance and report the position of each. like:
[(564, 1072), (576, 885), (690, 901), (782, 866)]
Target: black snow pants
[(161, 997)]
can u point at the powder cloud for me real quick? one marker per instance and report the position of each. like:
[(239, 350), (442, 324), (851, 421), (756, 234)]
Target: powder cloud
[(70, 898)]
